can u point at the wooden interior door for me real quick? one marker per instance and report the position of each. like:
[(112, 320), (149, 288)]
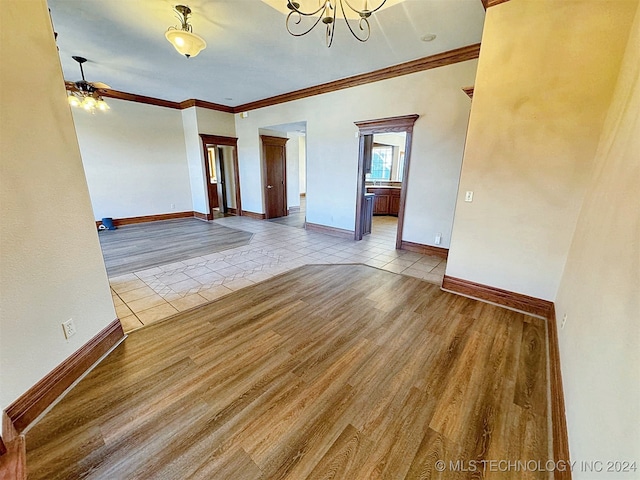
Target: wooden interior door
[(275, 175), (212, 184), (222, 181), (225, 191)]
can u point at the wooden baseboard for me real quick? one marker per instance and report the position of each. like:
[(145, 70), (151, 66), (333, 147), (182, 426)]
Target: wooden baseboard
[(303, 194), (36, 400), (257, 216), (517, 301), (13, 463), (558, 412), (336, 232), (425, 249), (203, 216), (118, 222), (9, 433)]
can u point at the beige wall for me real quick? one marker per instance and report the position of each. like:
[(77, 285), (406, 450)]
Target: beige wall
[(600, 289), (302, 156), (546, 74), (293, 170), (135, 160), (51, 267)]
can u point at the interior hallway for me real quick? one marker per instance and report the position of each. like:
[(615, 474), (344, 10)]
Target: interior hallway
[(149, 295)]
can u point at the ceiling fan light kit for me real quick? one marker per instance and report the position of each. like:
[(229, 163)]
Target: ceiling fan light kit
[(326, 12), (83, 94), (182, 38)]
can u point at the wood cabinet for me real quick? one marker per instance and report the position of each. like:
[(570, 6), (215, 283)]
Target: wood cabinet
[(381, 204), (394, 206), (386, 201)]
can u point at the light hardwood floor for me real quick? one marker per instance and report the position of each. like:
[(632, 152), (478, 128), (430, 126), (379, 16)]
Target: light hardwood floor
[(341, 371), (142, 246)]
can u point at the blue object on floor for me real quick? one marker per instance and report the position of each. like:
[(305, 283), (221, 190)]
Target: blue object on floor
[(108, 223)]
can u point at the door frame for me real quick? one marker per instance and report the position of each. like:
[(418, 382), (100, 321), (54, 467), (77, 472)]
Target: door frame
[(384, 125), (217, 140), (277, 142)]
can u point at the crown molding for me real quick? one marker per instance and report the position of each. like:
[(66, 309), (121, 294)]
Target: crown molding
[(159, 102), (450, 57), (132, 97), (491, 3), (209, 105)]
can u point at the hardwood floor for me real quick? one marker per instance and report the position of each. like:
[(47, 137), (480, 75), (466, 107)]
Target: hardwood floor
[(341, 371), (136, 247)]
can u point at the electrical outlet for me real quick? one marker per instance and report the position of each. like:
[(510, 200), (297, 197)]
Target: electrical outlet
[(438, 239), (468, 197), (564, 320), (69, 328)]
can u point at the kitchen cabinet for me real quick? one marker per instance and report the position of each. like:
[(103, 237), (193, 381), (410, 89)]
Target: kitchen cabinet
[(386, 200)]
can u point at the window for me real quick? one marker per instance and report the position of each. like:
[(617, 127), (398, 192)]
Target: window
[(381, 162)]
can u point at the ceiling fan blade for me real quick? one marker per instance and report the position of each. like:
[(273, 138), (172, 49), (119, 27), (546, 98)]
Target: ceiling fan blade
[(100, 85)]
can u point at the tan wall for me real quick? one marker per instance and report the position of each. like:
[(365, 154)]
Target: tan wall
[(51, 267), (546, 73), (135, 159), (600, 289)]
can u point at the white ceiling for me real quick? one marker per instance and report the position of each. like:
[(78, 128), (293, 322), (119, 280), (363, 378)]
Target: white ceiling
[(250, 55)]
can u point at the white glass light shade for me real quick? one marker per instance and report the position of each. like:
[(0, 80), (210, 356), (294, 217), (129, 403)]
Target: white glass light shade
[(73, 100), (89, 103), (186, 43), (102, 105)]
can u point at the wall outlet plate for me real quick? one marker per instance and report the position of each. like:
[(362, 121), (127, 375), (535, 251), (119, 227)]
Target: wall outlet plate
[(69, 328)]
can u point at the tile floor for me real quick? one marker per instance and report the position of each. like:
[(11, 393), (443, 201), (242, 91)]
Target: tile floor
[(150, 295)]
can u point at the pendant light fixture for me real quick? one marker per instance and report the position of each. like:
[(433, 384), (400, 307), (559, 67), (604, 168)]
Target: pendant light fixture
[(182, 38), (326, 11)]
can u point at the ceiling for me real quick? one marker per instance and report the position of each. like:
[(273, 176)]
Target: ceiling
[(249, 56)]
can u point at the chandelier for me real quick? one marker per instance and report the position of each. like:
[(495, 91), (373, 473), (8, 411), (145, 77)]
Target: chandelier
[(182, 38), (86, 94), (326, 12)]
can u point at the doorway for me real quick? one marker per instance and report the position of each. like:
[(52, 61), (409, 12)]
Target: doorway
[(274, 166), (223, 180), (388, 193)]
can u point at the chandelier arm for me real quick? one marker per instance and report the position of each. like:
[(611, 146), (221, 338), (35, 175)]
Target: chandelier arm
[(362, 19), (293, 8), (331, 28), (182, 14), (298, 21), (361, 12)]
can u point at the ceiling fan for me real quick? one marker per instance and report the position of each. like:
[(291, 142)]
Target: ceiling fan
[(86, 94)]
